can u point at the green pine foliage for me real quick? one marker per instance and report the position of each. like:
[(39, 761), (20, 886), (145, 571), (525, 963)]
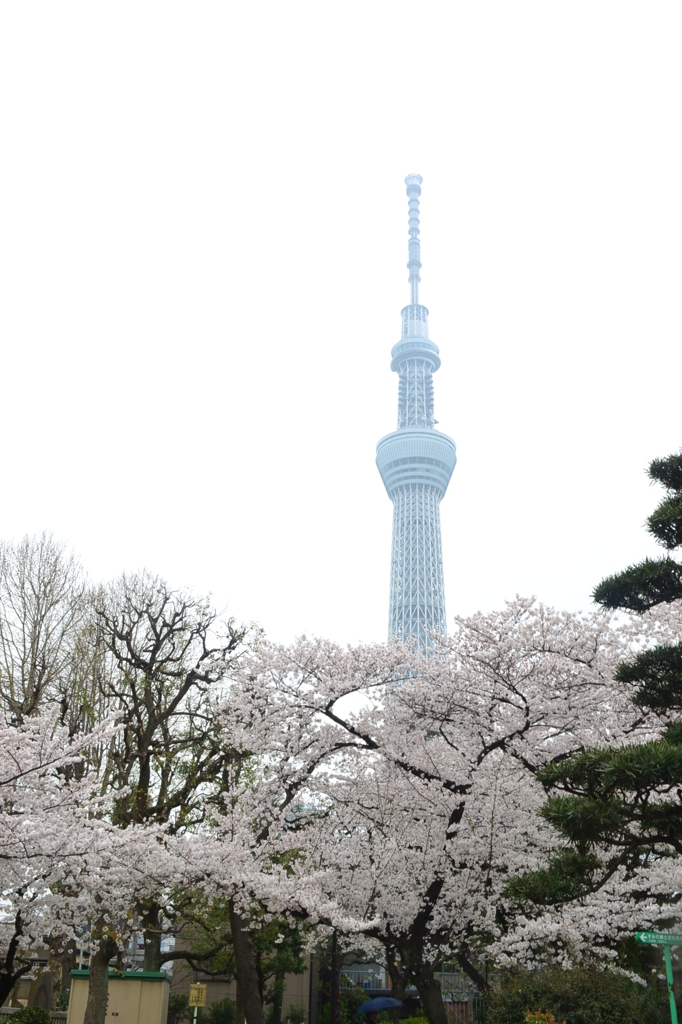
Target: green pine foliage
[(576, 997), (667, 472), (568, 876), (666, 522), (655, 580), (601, 797), (641, 587), (658, 674)]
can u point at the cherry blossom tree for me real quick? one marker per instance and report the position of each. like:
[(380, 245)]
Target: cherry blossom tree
[(370, 790), (44, 811), (65, 865), (408, 785)]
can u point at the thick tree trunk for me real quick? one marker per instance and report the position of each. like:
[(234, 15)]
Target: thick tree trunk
[(153, 957), (431, 996), (335, 994), (68, 964), (247, 971), (277, 1000), (152, 938), (239, 1006), (61, 961), (8, 981), (397, 983), (98, 988), (9, 976)]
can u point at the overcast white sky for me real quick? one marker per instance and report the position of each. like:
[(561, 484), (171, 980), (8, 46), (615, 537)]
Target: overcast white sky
[(203, 238)]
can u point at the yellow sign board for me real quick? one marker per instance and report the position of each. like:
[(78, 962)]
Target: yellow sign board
[(197, 995)]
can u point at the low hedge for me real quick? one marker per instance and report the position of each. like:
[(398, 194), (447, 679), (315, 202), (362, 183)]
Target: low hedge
[(32, 1015), (584, 996)]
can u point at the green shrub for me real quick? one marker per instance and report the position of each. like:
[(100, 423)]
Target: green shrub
[(32, 1015), (351, 1001), (178, 1008), (63, 1000), (540, 1017), (296, 1014), (585, 996), (222, 1012)]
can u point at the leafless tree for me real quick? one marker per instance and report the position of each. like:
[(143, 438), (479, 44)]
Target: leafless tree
[(44, 608), (168, 652)]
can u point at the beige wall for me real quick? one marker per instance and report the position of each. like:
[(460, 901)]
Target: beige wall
[(131, 1001)]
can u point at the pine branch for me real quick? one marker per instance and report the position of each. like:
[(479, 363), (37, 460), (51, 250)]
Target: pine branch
[(641, 587)]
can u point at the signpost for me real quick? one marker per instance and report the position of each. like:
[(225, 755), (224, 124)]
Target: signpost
[(665, 939), (197, 997)]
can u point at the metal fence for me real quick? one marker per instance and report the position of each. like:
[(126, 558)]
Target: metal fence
[(9, 1011), (460, 996), (372, 978)]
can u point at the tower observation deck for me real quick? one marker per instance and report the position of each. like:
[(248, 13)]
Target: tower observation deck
[(416, 462)]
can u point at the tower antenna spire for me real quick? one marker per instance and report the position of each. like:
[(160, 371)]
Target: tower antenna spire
[(414, 263)]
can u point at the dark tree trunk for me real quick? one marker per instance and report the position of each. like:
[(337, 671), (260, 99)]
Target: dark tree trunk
[(68, 964), (431, 996), (239, 1006), (153, 958), (8, 981), (277, 1000), (335, 993), (397, 977), (471, 971), (98, 987), (247, 971), (61, 961), (9, 972)]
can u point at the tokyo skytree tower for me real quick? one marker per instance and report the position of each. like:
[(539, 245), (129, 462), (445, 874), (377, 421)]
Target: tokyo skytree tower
[(416, 462)]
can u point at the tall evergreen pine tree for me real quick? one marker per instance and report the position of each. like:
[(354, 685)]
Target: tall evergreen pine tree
[(604, 797)]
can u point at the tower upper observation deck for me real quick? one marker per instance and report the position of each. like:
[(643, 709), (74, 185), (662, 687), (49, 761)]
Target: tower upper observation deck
[(416, 462)]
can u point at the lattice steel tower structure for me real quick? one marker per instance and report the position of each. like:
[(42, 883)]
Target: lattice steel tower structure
[(416, 462)]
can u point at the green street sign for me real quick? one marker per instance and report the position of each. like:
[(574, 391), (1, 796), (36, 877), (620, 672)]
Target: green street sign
[(665, 939), (659, 938)]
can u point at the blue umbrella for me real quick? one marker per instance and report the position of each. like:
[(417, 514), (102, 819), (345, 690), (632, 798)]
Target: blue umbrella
[(380, 1003)]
